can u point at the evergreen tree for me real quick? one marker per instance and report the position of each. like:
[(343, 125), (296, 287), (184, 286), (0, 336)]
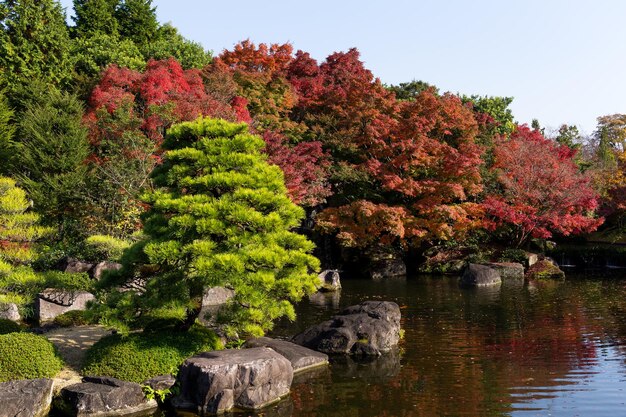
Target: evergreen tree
[(222, 218), (137, 21), (95, 17), (34, 42), (171, 44), (7, 129), (49, 153)]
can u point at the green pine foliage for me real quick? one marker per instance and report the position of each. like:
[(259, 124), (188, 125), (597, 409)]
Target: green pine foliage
[(34, 43), (221, 218), (170, 43), (137, 21), (7, 130), (49, 153), (93, 17)]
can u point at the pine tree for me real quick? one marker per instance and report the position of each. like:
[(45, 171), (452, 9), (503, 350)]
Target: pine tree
[(221, 218), (34, 42), (137, 21), (49, 153), (7, 129), (94, 17)]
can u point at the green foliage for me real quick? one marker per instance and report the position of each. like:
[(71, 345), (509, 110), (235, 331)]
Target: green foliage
[(27, 356), (72, 319), (7, 130), (513, 255), (95, 17), (408, 91), (137, 21), (222, 218), (103, 247), (170, 43), (67, 281), (8, 326), (495, 107), (19, 227), (140, 356), (49, 151), (34, 43)]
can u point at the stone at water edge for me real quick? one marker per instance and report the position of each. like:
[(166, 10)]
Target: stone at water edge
[(26, 398), (301, 358), (387, 268), (545, 269), (104, 396), (509, 271), (215, 382), (476, 275), (329, 281), (370, 328)]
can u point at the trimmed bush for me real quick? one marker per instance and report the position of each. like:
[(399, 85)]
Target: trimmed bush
[(105, 248), (71, 319), (27, 356), (8, 326), (140, 356)]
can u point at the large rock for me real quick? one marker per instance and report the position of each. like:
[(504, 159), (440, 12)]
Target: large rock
[(477, 275), (25, 398), (369, 328), (388, 268), (545, 269), (100, 268), (215, 382), (214, 298), (329, 281), (53, 302), (9, 311), (74, 265), (301, 358), (103, 396), (509, 271)]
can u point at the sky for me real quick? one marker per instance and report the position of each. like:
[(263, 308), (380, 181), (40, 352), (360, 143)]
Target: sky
[(562, 61)]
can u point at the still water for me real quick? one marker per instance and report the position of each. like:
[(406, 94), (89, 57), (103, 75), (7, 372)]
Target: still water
[(554, 350)]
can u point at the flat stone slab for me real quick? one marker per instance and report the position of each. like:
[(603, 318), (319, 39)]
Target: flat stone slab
[(301, 358), (370, 328), (215, 382), (25, 398), (104, 396)]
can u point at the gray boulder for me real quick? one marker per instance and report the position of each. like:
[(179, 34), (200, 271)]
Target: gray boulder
[(104, 396), (74, 265), (387, 268), (214, 298), (301, 358), (215, 382), (100, 268), (10, 311), (161, 382), (477, 275), (25, 398), (509, 271), (329, 281), (53, 302), (370, 328)]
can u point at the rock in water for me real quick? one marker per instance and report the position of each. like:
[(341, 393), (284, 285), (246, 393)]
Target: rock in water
[(477, 275), (301, 358), (545, 269), (509, 271), (215, 382), (27, 398), (103, 396), (329, 281), (388, 268), (370, 328)]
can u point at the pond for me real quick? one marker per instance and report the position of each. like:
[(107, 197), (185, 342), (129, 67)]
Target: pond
[(552, 350)]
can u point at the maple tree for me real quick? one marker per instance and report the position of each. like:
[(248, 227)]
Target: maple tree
[(542, 191)]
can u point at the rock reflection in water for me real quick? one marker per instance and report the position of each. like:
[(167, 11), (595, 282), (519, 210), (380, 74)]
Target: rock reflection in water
[(326, 299)]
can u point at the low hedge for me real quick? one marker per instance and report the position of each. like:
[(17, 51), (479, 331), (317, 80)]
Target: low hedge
[(72, 319), (8, 326), (140, 356), (27, 356)]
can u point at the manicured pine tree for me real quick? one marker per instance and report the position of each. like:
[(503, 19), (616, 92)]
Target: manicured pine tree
[(221, 218)]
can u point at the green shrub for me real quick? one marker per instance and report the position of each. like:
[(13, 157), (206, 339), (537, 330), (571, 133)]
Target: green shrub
[(27, 356), (72, 318), (513, 255), (70, 281), (8, 326), (139, 356), (103, 247)]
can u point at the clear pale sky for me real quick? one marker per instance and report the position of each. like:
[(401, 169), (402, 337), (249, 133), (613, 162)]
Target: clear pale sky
[(562, 61)]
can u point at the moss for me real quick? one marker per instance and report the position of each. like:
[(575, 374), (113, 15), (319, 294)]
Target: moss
[(140, 356), (545, 269), (27, 356)]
